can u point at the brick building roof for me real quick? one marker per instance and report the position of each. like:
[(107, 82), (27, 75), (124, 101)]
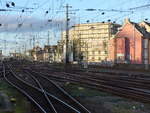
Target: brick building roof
[(142, 30)]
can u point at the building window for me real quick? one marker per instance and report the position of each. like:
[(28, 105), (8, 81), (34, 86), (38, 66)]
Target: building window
[(106, 52), (104, 44), (93, 58), (93, 52), (99, 52), (99, 58)]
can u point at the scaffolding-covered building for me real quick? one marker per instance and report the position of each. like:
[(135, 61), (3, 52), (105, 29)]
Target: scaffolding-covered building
[(89, 42)]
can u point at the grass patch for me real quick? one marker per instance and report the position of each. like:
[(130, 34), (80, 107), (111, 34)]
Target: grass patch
[(79, 91), (1, 102), (119, 110), (21, 105)]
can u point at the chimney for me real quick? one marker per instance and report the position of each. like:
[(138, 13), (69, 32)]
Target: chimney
[(126, 20)]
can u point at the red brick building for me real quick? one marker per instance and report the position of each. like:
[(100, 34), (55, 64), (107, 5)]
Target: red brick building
[(130, 45)]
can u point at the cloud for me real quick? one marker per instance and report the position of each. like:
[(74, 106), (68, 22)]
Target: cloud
[(13, 24)]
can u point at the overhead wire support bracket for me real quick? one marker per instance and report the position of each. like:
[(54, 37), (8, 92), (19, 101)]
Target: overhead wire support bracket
[(6, 10), (91, 9), (13, 10), (114, 10), (68, 11)]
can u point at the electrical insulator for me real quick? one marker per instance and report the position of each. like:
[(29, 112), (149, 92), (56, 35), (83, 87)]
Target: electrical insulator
[(13, 4), (103, 13), (50, 20), (87, 21), (23, 10), (7, 5), (109, 20), (19, 25)]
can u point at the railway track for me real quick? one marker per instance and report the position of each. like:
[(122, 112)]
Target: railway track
[(41, 85), (110, 71), (52, 88), (101, 70), (143, 83), (139, 82), (128, 89), (124, 85), (33, 94)]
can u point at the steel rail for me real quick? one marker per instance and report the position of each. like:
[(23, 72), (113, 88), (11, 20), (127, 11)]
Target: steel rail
[(24, 92), (52, 97), (44, 79), (138, 83), (132, 92), (46, 91)]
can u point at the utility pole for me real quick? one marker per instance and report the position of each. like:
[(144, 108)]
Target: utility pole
[(67, 11), (48, 39), (30, 42), (33, 41), (5, 46), (67, 33), (25, 49)]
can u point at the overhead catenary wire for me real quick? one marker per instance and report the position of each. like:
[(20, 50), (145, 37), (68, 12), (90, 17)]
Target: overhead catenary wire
[(95, 17)]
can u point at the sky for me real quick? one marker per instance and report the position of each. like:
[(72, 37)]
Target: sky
[(30, 19)]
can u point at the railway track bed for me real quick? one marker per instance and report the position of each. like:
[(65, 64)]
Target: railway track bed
[(42, 79), (49, 99)]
